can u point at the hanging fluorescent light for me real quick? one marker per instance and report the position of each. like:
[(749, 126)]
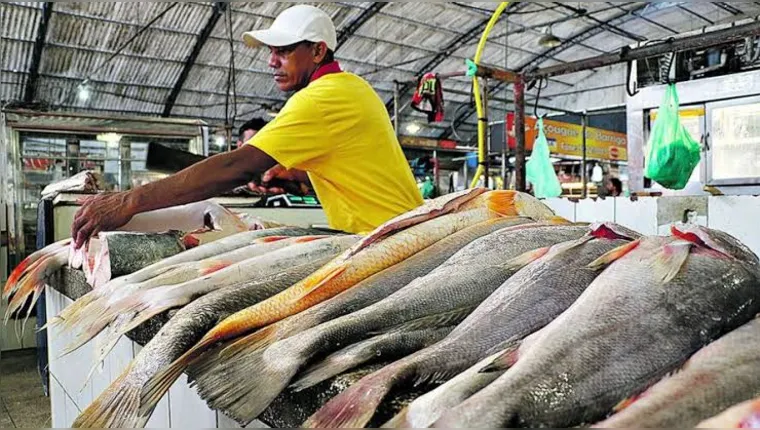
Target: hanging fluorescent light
[(109, 137), (413, 128), (549, 40), (597, 174)]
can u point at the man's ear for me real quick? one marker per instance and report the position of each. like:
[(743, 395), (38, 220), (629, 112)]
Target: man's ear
[(320, 51)]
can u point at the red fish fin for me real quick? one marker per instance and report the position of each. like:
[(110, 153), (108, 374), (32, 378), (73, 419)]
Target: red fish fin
[(523, 260), (213, 267), (354, 407), (505, 360), (325, 281), (270, 239), (307, 239), (670, 260), (14, 277), (190, 241), (616, 254), (612, 231)]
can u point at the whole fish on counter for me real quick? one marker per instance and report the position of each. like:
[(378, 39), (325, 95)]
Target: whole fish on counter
[(354, 266), (71, 316), (718, 376), (552, 279), (661, 300), (376, 287), (118, 405), (742, 416), (464, 280), (395, 343)]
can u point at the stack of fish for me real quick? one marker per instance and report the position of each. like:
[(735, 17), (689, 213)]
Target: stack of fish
[(525, 319)]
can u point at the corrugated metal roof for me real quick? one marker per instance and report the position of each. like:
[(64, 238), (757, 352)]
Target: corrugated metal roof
[(393, 44)]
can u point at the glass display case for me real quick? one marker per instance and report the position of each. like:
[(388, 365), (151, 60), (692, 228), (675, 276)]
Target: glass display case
[(734, 142)]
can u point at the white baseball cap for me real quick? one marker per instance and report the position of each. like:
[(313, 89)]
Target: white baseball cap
[(296, 24)]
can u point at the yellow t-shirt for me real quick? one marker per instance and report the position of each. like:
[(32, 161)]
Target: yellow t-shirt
[(338, 130)]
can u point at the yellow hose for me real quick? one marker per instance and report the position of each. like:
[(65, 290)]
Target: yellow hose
[(476, 90)]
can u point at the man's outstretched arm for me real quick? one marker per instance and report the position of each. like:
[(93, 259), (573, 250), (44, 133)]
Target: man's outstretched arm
[(201, 181)]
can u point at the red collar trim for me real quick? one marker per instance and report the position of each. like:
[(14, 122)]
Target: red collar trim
[(327, 69)]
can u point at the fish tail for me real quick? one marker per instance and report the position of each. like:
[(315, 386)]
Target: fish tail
[(96, 317), (159, 384), (15, 276), (354, 407), (116, 407), (257, 340), (333, 365), (71, 315), (243, 386)]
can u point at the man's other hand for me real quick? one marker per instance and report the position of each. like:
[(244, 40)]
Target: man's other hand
[(104, 212), (279, 180)]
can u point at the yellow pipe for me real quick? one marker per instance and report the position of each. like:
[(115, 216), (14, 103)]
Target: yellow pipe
[(476, 91)]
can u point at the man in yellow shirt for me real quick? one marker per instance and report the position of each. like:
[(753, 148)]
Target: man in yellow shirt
[(334, 131)]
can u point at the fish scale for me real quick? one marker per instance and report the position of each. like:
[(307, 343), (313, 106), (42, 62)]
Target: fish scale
[(718, 376), (641, 318)]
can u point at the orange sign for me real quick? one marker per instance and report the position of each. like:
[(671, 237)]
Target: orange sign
[(567, 139)]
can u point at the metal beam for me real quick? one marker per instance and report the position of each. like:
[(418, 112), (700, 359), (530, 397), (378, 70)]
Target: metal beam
[(728, 8), (216, 14), (604, 24), (698, 15), (699, 41), (30, 92), (354, 25), (452, 47)]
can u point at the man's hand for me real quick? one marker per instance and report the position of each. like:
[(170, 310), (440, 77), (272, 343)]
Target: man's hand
[(279, 180), (104, 212)]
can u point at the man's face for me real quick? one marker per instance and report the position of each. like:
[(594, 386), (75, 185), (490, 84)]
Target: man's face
[(293, 65)]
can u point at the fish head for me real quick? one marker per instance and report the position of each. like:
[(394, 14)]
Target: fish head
[(714, 240), (612, 231)]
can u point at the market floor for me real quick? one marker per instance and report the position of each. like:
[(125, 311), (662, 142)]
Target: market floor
[(22, 401)]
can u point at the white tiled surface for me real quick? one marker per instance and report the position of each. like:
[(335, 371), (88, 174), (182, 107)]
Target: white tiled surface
[(181, 407), (640, 215), (738, 216), (562, 207), (595, 211)]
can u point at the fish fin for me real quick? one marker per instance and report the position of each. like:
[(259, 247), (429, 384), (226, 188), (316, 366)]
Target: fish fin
[(70, 314), (332, 365), (210, 268), (15, 276), (626, 403), (259, 339), (563, 247), (354, 407), (92, 325), (444, 319), (523, 260), (505, 360), (307, 239), (670, 260), (242, 387), (329, 276), (500, 202), (116, 407), (612, 231), (269, 239), (610, 257), (434, 377)]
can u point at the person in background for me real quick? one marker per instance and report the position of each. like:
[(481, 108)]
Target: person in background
[(614, 187), (334, 126), (428, 189)]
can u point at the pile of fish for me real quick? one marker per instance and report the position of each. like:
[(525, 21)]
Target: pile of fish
[(503, 314)]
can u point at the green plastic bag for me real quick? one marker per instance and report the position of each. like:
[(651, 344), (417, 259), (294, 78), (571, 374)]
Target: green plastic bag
[(539, 170), (673, 153)]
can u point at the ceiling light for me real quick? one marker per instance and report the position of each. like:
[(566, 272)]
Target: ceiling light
[(413, 128), (109, 137), (220, 141), (549, 40)]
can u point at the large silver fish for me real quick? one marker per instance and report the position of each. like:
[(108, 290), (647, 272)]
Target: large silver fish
[(663, 300), (720, 375), (464, 280), (119, 405), (526, 302)]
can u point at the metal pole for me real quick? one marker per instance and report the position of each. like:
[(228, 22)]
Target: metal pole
[(395, 107), (520, 136), (487, 135), (584, 167)]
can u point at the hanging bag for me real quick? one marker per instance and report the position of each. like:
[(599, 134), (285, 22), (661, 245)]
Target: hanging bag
[(539, 170)]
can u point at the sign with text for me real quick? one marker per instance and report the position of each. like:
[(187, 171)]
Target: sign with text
[(566, 139)]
